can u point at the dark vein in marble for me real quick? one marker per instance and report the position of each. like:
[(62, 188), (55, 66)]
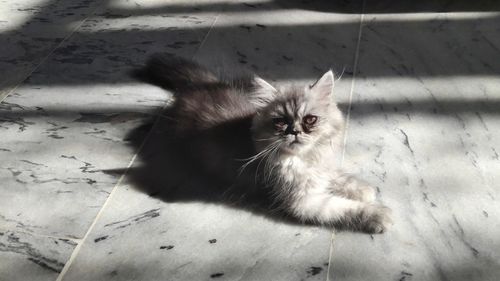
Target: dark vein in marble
[(33, 163), (19, 223), (314, 270), (101, 238), (217, 275), (461, 235), (15, 245), (86, 168), (405, 276), (10, 106), (135, 219), (36, 178), (406, 142), (18, 121)]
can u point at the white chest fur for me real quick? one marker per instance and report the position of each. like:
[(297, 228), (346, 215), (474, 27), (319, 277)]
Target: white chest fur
[(302, 175)]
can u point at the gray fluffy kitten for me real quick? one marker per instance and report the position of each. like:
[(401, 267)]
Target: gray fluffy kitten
[(251, 136)]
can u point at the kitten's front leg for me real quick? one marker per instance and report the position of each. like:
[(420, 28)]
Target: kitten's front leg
[(349, 187), (338, 211)]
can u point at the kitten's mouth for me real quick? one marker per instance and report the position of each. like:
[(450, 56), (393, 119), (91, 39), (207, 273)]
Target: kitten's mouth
[(292, 143)]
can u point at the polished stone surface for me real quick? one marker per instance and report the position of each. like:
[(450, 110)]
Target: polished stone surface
[(423, 127), (28, 257), (64, 131), (142, 238)]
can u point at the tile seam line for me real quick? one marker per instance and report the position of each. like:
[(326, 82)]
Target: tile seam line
[(348, 117), (49, 54), (206, 36), (99, 214), (76, 251)]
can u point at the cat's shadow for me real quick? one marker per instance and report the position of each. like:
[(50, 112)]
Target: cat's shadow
[(165, 169)]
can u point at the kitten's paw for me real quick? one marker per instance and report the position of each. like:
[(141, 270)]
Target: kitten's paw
[(367, 194), (376, 219)]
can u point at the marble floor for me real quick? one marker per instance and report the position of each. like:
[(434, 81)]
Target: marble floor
[(420, 88)]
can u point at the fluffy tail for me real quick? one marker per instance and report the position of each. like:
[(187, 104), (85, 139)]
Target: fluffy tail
[(175, 73), (202, 101)]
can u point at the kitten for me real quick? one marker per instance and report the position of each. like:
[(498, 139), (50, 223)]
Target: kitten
[(246, 134)]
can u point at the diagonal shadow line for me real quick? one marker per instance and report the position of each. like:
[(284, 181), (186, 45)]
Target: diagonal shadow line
[(345, 7), (348, 7), (399, 61), (375, 31), (9, 112), (441, 107)]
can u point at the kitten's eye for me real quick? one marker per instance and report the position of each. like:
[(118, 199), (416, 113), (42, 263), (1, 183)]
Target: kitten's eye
[(310, 119), (279, 123)]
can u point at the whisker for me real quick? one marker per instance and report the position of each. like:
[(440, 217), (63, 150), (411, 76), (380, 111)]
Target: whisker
[(257, 156), (254, 156), (341, 74), (271, 152), (275, 137)]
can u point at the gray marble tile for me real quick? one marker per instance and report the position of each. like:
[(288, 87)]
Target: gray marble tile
[(424, 130), (142, 238), (31, 30), (65, 130), (283, 44), (55, 164), (190, 237), (28, 257), (109, 45)]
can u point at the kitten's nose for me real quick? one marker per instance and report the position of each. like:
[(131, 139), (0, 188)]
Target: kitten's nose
[(292, 131)]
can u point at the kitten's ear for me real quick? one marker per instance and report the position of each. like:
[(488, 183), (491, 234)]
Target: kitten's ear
[(323, 88), (263, 93), (263, 85)]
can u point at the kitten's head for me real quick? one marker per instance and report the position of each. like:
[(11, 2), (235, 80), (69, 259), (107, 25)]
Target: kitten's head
[(295, 120)]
